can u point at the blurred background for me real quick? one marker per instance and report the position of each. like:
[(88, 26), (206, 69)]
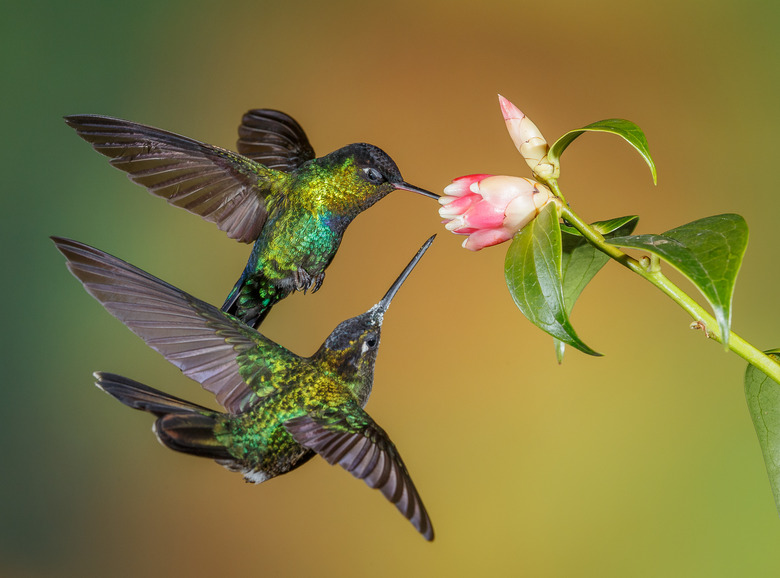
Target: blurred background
[(640, 463)]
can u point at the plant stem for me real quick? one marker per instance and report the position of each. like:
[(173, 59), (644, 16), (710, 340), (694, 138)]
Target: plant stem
[(652, 274)]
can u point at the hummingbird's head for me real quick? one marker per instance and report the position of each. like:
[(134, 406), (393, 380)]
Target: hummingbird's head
[(380, 170), (371, 174), (352, 347)]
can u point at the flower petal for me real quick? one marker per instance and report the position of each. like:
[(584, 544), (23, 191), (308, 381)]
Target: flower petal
[(527, 137), (458, 205), (486, 238), (509, 110), (500, 190), (522, 210), (460, 186), (484, 215)]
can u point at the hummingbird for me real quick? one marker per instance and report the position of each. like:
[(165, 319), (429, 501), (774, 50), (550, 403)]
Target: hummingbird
[(274, 192), (280, 408)]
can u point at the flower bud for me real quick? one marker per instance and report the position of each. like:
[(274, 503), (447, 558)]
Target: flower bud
[(527, 138), (491, 209)]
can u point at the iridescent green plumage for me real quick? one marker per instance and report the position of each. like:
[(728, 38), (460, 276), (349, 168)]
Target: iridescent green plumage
[(295, 207), (281, 408)]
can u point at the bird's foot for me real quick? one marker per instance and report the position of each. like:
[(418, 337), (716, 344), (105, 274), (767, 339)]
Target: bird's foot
[(303, 281)]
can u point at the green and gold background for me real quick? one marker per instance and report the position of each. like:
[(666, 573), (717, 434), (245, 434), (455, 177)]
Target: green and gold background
[(641, 463)]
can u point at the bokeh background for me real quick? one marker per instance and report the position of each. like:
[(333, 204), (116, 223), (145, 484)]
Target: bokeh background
[(640, 463)]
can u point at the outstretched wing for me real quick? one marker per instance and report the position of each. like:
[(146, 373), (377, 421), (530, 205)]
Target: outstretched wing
[(219, 185), (226, 357), (352, 439), (274, 139)]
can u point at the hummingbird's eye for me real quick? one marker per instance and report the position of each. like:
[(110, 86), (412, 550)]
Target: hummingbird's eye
[(373, 176), (370, 343)]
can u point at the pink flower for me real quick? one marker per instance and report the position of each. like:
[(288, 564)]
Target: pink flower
[(527, 138), (491, 209)]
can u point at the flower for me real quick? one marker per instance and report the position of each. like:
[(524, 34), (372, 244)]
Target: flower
[(527, 138), (491, 209)]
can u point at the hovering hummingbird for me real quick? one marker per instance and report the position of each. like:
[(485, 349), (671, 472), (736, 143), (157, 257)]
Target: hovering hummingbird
[(281, 408), (295, 207)]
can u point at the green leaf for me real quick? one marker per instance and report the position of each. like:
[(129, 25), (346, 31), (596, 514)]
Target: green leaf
[(580, 261), (708, 252), (621, 127), (533, 276), (763, 400)]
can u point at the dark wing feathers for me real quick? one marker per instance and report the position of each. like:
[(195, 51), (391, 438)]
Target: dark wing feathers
[(196, 337), (274, 139), (360, 446), (221, 186)]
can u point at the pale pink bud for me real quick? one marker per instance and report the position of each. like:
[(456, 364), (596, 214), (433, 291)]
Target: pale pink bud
[(491, 209), (527, 138)]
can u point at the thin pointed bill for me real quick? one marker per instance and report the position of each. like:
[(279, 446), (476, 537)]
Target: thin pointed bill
[(404, 186), (385, 302)]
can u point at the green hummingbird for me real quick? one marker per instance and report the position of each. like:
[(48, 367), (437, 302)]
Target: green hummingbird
[(295, 207), (281, 408)]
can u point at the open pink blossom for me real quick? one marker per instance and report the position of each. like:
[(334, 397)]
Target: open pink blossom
[(527, 138), (491, 209)]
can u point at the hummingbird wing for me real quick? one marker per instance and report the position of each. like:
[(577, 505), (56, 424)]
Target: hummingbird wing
[(219, 185), (274, 139), (352, 439), (226, 357)]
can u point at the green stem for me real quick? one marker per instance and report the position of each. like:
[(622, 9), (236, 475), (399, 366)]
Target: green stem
[(553, 184), (653, 274)]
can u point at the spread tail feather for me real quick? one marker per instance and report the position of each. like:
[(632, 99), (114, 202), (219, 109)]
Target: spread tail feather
[(182, 426)]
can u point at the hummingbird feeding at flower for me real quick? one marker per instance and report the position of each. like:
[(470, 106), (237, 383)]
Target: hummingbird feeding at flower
[(275, 193), (281, 408)]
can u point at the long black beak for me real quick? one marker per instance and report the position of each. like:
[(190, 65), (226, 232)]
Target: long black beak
[(385, 302), (404, 186)]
